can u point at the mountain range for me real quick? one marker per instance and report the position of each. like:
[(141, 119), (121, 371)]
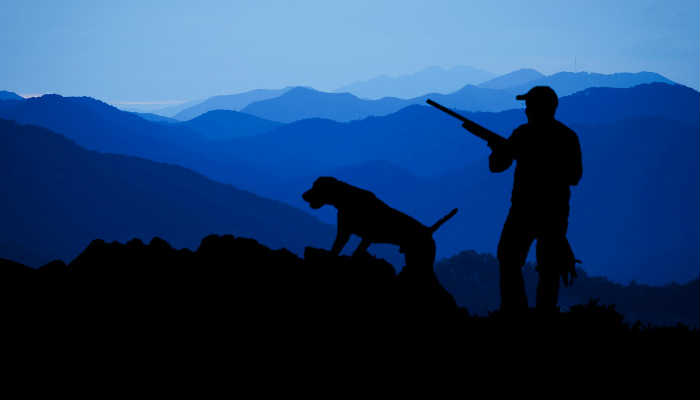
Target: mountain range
[(233, 102), (5, 95), (428, 80), (226, 124), (300, 104), (98, 126), (447, 81), (498, 94), (428, 142), (304, 103), (566, 83), (635, 142), (156, 108), (58, 197), (512, 79), (156, 118)]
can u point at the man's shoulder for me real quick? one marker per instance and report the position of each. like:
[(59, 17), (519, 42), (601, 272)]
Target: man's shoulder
[(560, 126), (557, 126)]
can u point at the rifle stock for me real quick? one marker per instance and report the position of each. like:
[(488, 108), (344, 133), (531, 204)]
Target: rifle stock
[(476, 129)]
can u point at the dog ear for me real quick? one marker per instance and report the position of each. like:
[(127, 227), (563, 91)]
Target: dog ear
[(327, 181), (334, 190), (343, 190)]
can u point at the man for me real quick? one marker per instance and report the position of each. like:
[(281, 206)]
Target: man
[(548, 161)]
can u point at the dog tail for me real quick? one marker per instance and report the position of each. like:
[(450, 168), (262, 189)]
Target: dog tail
[(442, 220)]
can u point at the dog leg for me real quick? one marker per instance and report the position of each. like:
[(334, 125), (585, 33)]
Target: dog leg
[(362, 248), (341, 238)]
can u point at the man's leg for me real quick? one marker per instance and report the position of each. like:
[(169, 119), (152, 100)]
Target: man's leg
[(547, 286), (513, 247), (553, 256)]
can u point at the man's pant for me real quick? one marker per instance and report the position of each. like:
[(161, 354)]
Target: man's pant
[(522, 227)]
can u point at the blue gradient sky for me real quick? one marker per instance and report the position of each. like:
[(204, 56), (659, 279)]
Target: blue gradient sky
[(168, 51)]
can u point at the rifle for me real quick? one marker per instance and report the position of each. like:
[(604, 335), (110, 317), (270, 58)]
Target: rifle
[(471, 126)]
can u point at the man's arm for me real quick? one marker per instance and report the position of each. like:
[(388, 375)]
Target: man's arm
[(501, 155), (576, 167)]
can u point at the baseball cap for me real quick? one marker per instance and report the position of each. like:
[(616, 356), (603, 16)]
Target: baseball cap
[(540, 94)]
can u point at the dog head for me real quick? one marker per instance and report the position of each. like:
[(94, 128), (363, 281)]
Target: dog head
[(324, 191)]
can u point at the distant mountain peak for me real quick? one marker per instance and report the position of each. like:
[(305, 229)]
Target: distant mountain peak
[(53, 97), (7, 95), (515, 78), (302, 89), (229, 124), (566, 82), (433, 79), (234, 102)]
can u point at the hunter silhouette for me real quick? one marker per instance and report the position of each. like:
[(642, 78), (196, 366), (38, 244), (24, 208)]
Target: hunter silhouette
[(548, 162)]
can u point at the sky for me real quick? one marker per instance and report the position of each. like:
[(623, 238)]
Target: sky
[(167, 52)]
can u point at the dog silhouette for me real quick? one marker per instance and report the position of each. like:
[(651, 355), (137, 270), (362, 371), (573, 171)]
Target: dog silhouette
[(360, 212)]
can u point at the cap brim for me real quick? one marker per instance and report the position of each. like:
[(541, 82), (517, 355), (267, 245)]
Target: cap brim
[(521, 97)]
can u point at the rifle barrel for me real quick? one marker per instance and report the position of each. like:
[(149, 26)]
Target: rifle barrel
[(470, 125), (446, 110)]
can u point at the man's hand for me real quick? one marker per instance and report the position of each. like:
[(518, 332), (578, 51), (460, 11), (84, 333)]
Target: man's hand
[(493, 145), (501, 156), (496, 142), (568, 272)]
